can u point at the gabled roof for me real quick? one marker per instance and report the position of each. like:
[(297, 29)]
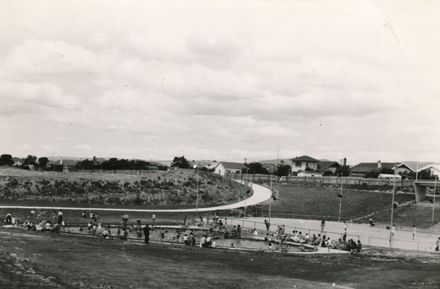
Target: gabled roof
[(231, 165), (435, 167), (323, 165), (368, 167), (414, 166), (304, 159)]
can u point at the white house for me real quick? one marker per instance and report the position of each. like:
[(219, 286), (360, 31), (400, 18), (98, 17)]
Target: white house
[(303, 163), (227, 168), (433, 168)]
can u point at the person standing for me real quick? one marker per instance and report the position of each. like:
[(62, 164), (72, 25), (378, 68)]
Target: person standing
[(154, 219), (239, 232), (266, 222), (414, 232), (138, 223), (322, 225), (147, 234)]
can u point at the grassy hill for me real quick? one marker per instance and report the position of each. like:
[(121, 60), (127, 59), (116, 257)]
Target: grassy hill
[(318, 202), (163, 188)]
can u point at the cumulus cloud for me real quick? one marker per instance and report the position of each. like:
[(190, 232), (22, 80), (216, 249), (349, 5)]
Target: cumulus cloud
[(221, 80)]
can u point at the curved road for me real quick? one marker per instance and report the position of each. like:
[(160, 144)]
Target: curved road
[(261, 194)]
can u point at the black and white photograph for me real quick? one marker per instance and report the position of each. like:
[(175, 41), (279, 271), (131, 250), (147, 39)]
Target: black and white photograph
[(247, 144)]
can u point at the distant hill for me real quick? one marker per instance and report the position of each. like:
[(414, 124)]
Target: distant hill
[(286, 161)]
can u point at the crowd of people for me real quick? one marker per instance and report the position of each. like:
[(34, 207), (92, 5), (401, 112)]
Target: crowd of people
[(211, 228)]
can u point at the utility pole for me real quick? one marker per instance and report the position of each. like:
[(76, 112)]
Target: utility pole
[(433, 203), (197, 196), (340, 202), (392, 207), (271, 193)]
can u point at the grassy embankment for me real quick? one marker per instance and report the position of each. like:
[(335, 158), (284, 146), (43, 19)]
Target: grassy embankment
[(158, 190), (318, 202), (170, 189), (37, 260)]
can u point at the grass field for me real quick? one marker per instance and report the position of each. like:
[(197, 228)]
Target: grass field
[(419, 215), (317, 202), (38, 260)]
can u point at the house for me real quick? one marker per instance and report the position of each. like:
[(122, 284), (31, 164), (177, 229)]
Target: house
[(408, 167), (434, 169), (362, 169), (304, 163), (328, 166), (227, 168), (67, 164)]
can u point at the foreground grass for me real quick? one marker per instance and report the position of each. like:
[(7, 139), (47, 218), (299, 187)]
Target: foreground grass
[(36, 260), (318, 202)]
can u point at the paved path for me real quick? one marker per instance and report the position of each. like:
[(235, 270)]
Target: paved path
[(374, 236), (260, 194)]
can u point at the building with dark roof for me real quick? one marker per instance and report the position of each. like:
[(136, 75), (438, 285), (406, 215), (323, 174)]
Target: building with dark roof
[(228, 168), (328, 166), (363, 169)]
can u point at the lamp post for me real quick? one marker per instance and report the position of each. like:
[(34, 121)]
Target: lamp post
[(433, 202), (271, 193), (340, 201), (197, 191), (392, 208), (246, 188)]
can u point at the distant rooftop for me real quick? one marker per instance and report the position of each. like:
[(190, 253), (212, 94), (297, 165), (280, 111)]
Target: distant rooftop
[(304, 159)]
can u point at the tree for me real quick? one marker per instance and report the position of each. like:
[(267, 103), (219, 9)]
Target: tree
[(42, 162), (180, 162), (283, 170), (6, 160), (343, 171), (257, 168), (30, 160)]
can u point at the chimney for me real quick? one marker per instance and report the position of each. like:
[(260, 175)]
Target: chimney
[(379, 164), (344, 162)]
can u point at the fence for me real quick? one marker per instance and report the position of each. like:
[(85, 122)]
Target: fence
[(327, 180), (261, 227), (368, 240), (401, 244)]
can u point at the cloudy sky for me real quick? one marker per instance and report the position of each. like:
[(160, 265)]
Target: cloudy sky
[(223, 80)]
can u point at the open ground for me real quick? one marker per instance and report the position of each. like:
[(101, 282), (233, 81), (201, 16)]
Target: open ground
[(57, 261)]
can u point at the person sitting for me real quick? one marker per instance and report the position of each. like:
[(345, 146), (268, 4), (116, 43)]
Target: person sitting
[(186, 239), (306, 238), (208, 242), (271, 246), (105, 234), (202, 241)]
